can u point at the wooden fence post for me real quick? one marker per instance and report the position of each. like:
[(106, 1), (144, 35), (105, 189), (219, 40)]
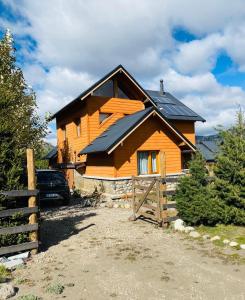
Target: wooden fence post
[(32, 202), (133, 217), (163, 187)]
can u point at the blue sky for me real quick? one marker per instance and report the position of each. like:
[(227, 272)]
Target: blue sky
[(64, 46)]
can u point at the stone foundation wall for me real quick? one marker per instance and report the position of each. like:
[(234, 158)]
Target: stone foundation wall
[(112, 187)]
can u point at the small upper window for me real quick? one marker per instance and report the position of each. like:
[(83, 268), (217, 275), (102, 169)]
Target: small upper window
[(78, 126), (104, 116), (106, 90)]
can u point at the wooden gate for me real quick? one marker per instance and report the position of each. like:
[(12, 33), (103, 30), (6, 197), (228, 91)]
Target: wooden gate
[(149, 197)]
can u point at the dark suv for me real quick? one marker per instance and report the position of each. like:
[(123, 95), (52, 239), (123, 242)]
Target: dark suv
[(52, 185)]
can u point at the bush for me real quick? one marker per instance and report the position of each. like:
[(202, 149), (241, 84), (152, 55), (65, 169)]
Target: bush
[(229, 186), (194, 197), (4, 273)]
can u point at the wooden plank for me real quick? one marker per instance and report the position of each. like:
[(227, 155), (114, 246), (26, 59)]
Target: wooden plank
[(147, 215), (19, 229), (32, 202), (169, 205), (22, 210), (144, 196), (148, 206), (162, 158), (18, 248), (20, 193)]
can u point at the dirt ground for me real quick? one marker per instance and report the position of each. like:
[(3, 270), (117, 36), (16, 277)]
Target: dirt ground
[(99, 254)]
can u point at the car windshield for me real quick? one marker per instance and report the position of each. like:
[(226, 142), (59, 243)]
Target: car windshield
[(54, 177)]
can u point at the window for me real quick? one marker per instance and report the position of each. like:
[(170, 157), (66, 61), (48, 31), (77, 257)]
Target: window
[(106, 90), (78, 126), (104, 116), (147, 162), (63, 128)]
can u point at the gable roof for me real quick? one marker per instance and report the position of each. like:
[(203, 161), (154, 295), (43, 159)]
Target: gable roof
[(111, 138), (168, 105), (172, 108), (96, 85), (208, 149)]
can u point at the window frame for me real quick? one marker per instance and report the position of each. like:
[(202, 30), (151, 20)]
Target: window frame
[(149, 164)]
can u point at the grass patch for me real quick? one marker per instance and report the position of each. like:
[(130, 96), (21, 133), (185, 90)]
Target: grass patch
[(55, 288), (4, 274), (230, 232)]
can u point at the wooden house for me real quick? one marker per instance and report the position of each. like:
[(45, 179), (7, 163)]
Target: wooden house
[(116, 129)]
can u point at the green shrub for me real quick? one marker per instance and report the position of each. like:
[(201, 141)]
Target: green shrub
[(194, 197), (4, 273), (229, 185), (55, 288)]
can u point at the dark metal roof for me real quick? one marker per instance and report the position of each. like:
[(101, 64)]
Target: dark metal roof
[(117, 131), (172, 108), (208, 149), (52, 154)]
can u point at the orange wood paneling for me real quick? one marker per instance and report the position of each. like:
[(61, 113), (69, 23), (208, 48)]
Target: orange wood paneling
[(187, 128), (88, 112), (151, 135), (100, 164)]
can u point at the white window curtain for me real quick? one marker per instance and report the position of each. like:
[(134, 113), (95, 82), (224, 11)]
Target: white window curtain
[(143, 162), (154, 161)]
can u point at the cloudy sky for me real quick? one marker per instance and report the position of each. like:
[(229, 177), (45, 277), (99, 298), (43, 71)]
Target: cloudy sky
[(197, 47)]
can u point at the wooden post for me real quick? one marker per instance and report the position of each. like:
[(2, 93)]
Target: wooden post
[(133, 217), (163, 187), (159, 204), (32, 202), (162, 164)]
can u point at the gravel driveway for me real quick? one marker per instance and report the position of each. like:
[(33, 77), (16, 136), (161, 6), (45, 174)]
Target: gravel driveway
[(99, 254)]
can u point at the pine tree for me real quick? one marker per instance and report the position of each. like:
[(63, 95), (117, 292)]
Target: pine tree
[(193, 196), (230, 171), (20, 126)]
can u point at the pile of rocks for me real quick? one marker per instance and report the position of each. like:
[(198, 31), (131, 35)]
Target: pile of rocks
[(178, 225), (116, 204)]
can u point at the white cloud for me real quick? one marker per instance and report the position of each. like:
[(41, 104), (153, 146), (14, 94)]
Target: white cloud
[(56, 87), (202, 93), (79, 41)]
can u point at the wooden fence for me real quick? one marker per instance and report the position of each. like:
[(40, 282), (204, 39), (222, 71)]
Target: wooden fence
[(32, 211)]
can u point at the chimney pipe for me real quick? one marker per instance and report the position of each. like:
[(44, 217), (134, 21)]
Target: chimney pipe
[(161, 87)]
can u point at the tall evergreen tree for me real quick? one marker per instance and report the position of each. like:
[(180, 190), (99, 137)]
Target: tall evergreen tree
[(230, 171), (20, 126)]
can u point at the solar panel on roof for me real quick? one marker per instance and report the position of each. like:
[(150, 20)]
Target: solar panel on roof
[(177, 110)]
